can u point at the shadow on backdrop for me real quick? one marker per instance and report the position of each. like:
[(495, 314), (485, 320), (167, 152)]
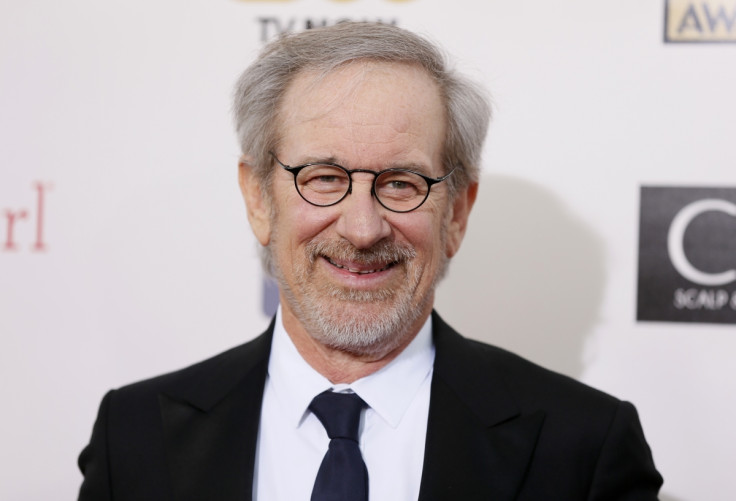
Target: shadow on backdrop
[(529, 276), (667, 497)]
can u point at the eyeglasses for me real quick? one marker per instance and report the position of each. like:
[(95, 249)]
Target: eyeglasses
[(324, 184)]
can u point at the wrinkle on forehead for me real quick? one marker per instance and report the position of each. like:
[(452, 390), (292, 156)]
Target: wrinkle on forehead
[(352, 89)]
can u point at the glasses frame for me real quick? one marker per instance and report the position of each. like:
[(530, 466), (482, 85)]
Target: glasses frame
[(298, 168)]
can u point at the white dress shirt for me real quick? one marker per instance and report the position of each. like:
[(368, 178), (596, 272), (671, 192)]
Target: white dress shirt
[(292, 441)]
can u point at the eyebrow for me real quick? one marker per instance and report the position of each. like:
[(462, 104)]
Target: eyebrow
[(412, 166)]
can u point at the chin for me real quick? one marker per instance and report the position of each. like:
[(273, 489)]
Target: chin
[(363, 323)]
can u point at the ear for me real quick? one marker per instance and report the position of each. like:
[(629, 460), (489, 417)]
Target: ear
[(458, 218), (256, 203)]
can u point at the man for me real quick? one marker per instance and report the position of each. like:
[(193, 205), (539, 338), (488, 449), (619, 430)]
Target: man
[(360, 163)]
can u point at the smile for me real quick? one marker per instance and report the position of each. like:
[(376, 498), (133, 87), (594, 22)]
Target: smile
[(358, 271)]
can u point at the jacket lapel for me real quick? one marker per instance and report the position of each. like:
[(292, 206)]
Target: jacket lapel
[(210, 423), (478, 444)]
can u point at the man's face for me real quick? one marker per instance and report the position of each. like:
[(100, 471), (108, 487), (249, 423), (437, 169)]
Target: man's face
[(356, 276)]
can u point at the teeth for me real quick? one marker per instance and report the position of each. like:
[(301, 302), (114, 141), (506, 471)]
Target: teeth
[(359, 272)]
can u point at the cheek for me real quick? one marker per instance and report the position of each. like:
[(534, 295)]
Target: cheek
[(298, 223), (424, 233), (311, 221)]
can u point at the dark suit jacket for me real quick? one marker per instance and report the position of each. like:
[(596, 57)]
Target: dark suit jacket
[(500, 428)]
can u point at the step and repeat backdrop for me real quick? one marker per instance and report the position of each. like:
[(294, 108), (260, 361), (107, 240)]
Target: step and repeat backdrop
[(603, 243)]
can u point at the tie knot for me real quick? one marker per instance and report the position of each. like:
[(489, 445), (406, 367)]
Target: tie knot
[(339, 413)]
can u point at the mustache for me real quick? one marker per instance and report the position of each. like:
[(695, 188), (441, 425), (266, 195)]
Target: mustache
[(382, 252)]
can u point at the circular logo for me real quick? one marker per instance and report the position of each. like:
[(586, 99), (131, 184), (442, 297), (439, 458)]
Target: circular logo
[(677, 233)]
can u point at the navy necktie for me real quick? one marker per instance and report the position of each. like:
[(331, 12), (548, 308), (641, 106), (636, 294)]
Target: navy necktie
[(342, 476)]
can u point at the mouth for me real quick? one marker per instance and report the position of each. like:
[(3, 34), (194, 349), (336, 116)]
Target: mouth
[(360, 269)]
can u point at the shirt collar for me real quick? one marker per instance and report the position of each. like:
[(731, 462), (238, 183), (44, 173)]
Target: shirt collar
[(295, 383)]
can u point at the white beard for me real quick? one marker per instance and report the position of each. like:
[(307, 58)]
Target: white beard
[(359, 322)]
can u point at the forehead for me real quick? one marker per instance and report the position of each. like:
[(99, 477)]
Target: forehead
[(364, 108)]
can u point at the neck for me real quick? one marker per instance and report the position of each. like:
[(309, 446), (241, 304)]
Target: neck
[(340, 366)]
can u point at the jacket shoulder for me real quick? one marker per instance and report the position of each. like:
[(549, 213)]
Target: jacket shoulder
[(487, 369), (203, 381), (530, 381)]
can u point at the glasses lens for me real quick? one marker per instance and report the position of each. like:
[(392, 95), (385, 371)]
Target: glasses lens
[(323, 184), (401, 191)]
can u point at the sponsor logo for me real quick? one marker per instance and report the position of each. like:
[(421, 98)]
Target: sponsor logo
[(270, 26), (17, 221), (687, 255), (700, 21)]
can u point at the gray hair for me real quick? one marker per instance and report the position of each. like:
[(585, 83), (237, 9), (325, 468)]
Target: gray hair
[(262, 85)]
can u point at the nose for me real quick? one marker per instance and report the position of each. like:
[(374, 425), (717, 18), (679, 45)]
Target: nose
[(362, 221)]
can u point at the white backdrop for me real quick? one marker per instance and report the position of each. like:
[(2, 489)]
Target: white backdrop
[(139, 259)]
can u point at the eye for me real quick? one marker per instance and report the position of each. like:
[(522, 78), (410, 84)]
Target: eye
[(322, 184), (325, 179), (400, 185)]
